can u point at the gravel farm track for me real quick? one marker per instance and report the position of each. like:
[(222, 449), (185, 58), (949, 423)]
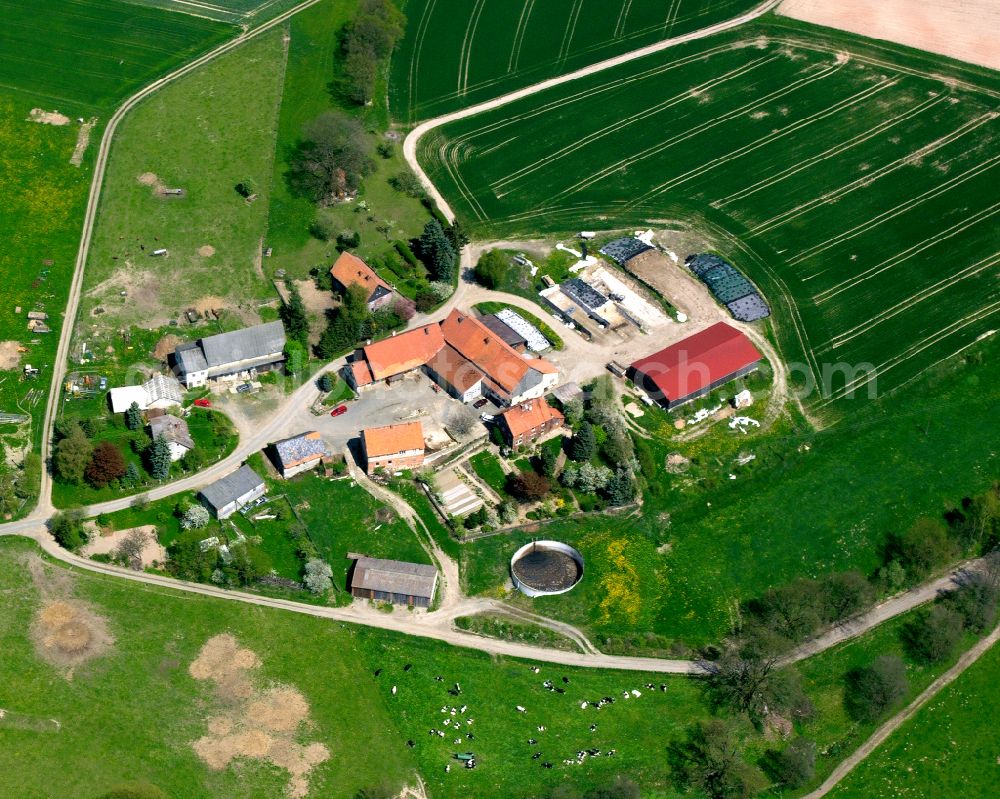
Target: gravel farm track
[(437, 625)]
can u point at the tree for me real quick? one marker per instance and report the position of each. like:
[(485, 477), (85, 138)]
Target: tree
[(437, 252), (133, 417), (492, 268), (462, 420), (129, 549), (618, 447), (67, 529), (323, 228), (293, 315), (318, 576), (407, 183), (621, 487), (932, 636), (923, 547), (740, 683), (107, 464), (159, 458), (874, 689), (331, 160), (795, 765), (976, 602), (341, 334), (295, 357), (794, 611), (246, 188), (845, 594), (195, 517), (457, 235), (584, 443), (72, 455), (361, 72), (573, 411), (711, 760), (529, 486), (369, 39), (325, 382), (549, 459)]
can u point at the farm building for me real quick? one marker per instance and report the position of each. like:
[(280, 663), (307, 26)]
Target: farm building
[(627, 250), (394, 447), (460, 354), (568, 392), (533, 337), (299, 453), (228, 354), (349, 270), (510, 337), (159, 391), (175, 431), (528, 421), (394, 581), (729, 287), (226, 496), (696, 365)]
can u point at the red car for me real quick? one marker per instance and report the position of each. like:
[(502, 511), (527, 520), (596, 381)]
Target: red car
[(203, 403), (339, 410)]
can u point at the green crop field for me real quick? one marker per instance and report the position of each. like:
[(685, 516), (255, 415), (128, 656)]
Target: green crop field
[(459, 52), (947, 749), (242, 12), (854, 184), (83, 56), (203, 134)]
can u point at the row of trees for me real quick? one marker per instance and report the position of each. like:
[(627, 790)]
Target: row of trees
[(76, 459), (368, 41)]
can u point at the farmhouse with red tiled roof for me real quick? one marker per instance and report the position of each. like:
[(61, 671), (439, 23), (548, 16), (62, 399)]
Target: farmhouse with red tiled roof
[(349, 270)]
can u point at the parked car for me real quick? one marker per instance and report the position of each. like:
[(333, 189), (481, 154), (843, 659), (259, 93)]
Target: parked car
[(243, 388), (340, 410), (479, 403), (203, 403), (487, 417), (102, 384)]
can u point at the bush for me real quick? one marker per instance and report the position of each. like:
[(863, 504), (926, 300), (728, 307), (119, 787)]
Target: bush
[(528, 486), (406, 253), (492, 268), (385, 150), (348, 240), (976, 603), (107, 464), (318, 576), (195, 517), (795, 765), (67, 529), (406, 182), (876, 688), (323, 228), (922, 548)]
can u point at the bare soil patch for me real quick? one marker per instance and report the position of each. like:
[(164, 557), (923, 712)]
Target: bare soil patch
[(206, 251), (67, 633), (82, 141), (165, 346), (961, 29), (47, 117), (152, 553), (317, 302), (253, 721), (150, 179), (9, 355)]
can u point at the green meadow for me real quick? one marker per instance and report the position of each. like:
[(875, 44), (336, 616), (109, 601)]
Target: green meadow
[(460, 52)]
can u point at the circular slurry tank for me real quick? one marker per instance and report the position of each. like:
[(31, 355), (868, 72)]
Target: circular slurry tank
[(544, 568)]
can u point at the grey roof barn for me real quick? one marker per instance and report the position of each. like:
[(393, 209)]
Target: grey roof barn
[(230, 488), (238, 346), (394, 577)]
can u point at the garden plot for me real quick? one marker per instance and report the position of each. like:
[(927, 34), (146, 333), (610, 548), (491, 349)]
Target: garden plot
[(458, 52), (855, 187), (457, 498)]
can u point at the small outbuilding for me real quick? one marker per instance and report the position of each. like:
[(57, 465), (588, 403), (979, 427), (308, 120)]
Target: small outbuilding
[(394, 581), (160, 392), (175, 431), (299, 453), (226, 496)]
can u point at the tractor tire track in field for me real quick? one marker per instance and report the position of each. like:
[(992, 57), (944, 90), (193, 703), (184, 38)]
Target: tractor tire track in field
[(656, 149), (622, 18), (413, 137), (624, 123), (672, 12), (866, 180), (522, 29), (914, 349), (465, 55), (422, 26), (567, 42), (892, 213), (53, 401), (848, 764), (970, 271), (834, 151), (901, 257), (827, 112)]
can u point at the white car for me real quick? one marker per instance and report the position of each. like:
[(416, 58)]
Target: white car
[(487, 417)]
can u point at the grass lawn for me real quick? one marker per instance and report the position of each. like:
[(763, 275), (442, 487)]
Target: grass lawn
[(415, 496), (770, 140), (947, 749), (342, 517), (133, 713), (204, 134), (704, 541), (213, 443), (488, 469), (310, 89), (496, 625), (548, 332)]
